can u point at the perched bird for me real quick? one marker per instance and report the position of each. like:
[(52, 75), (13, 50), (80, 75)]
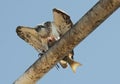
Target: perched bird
[(43, 36)]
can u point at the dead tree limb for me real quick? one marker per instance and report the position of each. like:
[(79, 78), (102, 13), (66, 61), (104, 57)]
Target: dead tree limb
[(93, 18)]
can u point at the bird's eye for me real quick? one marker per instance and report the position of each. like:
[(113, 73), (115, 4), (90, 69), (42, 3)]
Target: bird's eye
[(38, 28)]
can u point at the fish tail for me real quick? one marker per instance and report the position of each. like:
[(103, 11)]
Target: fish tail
[(73, 64)]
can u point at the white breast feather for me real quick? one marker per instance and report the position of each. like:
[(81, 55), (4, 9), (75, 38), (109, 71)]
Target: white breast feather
[(54, 32)]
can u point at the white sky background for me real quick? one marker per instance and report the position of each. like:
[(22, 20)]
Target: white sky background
[(99, 52)]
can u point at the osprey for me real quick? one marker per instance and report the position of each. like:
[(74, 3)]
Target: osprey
[(43, 36)]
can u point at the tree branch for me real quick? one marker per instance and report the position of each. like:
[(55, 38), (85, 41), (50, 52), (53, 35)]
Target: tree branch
[(93, 18)]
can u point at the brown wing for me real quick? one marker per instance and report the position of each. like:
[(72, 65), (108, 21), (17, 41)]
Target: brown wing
[(31, 36), (62, 21)]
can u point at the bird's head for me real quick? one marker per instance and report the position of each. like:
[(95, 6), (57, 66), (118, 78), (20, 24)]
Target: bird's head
[(42, 31)]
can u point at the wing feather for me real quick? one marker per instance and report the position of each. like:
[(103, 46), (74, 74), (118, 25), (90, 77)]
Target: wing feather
[(62, 21), (29, 35)]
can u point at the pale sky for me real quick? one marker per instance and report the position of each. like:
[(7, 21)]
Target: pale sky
[(99, 52)]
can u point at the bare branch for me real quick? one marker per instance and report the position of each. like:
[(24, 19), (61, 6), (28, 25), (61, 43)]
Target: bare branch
[(81, 30)]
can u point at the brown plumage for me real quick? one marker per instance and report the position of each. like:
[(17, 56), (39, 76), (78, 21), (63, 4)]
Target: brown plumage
[(42, 37)]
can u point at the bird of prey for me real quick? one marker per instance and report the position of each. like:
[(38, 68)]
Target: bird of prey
[(43, 36)]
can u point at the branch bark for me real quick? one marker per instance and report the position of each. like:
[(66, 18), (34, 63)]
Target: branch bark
[(93, 18)]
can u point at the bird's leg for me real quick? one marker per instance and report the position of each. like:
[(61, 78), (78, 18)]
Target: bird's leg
[(57, 67), (40, 54)]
